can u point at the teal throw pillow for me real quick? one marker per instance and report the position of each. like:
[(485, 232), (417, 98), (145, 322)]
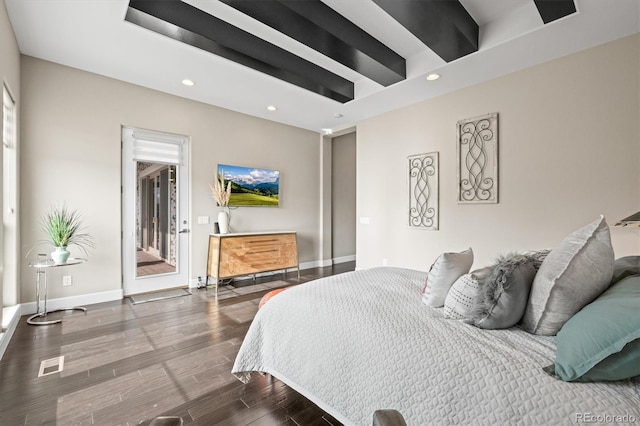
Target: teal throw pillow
[(602, 341)]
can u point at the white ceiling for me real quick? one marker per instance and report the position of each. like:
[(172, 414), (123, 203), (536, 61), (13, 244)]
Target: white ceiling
[(92, 35)]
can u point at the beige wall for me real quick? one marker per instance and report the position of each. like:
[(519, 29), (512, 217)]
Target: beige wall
[(569, 150), (10, 76), (71, 123), (343, 204)]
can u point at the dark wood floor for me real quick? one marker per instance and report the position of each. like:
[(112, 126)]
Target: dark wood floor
[(125, 364)]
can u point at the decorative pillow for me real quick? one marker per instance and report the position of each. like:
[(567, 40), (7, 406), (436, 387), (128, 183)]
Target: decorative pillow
[(537, 256), (602, 341), (447, 268), (461, 299), (625, 267), (504, 293), (572, 275), (269, 295)]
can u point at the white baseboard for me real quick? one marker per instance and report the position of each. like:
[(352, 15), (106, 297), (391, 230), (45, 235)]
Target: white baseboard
[(314, 264), (344, 259), (10, 319), (70, 301)]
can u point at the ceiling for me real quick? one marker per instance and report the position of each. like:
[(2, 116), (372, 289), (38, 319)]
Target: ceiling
[(324, 64)]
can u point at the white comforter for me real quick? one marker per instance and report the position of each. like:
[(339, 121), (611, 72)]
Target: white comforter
[(362, 341)]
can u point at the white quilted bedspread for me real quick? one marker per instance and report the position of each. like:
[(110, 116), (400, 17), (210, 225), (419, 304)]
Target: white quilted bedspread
[(362, 341)]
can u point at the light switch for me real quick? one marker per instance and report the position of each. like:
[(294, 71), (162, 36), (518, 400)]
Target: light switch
[(203, 220), (364, 220)]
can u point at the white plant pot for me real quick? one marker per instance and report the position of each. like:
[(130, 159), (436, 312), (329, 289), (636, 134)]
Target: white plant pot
[(223, 222), (60, 255)]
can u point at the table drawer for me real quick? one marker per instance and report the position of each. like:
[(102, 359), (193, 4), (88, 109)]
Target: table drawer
[(231, 256)]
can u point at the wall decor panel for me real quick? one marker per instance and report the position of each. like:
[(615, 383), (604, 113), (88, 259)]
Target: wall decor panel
[(477, 146), (423, 191)]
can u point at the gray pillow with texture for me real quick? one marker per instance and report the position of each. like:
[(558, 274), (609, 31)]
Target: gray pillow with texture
[(537, 256), (461, 299), (574, 273), (505, 292)]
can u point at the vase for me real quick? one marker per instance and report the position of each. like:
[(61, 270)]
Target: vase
[(223, 222), (60, 255)]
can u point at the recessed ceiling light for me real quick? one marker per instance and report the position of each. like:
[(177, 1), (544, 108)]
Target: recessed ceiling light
[(272, 108), (433, 76), (188, 82)]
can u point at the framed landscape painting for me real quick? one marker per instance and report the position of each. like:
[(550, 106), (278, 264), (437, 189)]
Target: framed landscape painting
[(251, 186)]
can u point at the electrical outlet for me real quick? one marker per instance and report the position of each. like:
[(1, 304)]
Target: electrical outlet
[(66, 280), (384, 261)]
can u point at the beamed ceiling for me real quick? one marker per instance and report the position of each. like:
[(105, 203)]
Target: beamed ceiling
[(324, 64), (444, 26)]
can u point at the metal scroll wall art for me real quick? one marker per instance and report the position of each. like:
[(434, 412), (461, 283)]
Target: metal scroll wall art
[(423, 191), (477, 146)]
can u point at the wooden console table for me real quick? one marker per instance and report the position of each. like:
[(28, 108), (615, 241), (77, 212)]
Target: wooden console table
[(233, 255)]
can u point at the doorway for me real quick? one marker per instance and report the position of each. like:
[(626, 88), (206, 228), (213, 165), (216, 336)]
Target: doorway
[(155, 182), (156, 219), (343, 198)]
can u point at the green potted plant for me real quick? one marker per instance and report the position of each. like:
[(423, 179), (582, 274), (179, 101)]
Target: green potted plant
[(64, 228)]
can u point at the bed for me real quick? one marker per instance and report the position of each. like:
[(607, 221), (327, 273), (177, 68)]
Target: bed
[(362, 341)]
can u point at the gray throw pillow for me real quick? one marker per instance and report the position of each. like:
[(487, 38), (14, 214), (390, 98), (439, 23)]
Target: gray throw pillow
[(574, 273), (537, 256), (504, 293)]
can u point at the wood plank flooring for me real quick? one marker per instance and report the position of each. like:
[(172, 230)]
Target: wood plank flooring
[(126, 364)]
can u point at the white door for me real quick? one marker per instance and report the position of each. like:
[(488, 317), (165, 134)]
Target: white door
[(155, 210)]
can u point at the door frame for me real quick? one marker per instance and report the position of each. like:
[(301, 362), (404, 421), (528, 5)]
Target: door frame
[(132, 284)]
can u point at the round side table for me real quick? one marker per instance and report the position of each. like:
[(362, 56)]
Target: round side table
[(41, 266)]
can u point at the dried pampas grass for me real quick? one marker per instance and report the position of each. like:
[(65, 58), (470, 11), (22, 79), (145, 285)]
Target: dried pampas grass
[(219, 193)]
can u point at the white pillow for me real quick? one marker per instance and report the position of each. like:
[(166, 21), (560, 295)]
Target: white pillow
[(574, 273), (461, 301), (447, 268)]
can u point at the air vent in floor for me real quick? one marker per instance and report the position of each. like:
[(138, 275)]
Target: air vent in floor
[(50, 366)]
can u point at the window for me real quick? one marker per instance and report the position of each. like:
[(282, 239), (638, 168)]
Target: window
[(9, 244), (8, 118), (9, 152)]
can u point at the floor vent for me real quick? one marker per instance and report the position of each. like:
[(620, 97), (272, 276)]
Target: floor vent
[(50, 366)]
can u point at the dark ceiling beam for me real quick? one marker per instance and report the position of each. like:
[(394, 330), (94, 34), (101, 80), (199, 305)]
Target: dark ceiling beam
[(444, 26), (550, 10), (188, 24), (321, 28)]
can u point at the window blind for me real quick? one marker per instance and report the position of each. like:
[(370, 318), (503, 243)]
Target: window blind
[(156, 148)]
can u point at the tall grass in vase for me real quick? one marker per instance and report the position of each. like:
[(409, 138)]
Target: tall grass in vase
[(64, 228)]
